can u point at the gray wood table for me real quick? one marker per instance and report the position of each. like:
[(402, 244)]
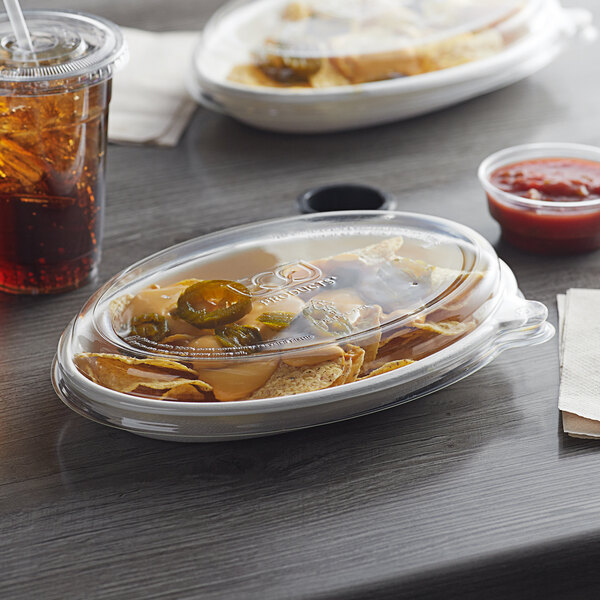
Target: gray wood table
[(472, 492)]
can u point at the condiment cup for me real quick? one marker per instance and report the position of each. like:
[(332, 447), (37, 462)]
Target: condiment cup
[(541, 226)]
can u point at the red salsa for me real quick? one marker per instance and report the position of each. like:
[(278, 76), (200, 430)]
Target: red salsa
[(550, 179), (546, 228)]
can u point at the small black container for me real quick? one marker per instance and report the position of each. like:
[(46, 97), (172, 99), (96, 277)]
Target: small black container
[(344, 196)]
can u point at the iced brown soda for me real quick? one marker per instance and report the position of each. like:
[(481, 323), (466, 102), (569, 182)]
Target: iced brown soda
[(52, 160)]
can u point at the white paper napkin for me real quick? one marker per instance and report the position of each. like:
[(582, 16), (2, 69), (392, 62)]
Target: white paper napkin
[(150, 103), (579, 341)]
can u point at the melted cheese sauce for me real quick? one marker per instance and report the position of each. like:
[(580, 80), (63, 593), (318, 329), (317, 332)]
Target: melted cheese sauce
[(160, 301), (238, 381)]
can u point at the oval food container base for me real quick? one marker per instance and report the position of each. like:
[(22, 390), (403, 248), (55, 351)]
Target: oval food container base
[(355, 111), (525, 330), (209, 102), (171, 432), (520, 322), (528, 326), (332, 109), (503, 319)]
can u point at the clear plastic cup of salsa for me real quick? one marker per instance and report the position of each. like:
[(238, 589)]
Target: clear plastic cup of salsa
[(545, 196)]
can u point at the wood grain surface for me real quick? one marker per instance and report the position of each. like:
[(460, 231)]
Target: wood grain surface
[(472, 492)]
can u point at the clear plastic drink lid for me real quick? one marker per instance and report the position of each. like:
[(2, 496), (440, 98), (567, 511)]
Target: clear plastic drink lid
[(67, 45), (318, 43), (286, 307)]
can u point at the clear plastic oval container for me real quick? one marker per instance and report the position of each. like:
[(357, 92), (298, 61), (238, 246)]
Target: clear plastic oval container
[(291, 323), (282, 64), (316, 44)]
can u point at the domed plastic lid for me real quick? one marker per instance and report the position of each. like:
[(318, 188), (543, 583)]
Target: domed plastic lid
[(287, 306), (317, 43), (70, 46)]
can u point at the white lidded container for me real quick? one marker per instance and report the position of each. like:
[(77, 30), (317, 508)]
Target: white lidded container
[(314, 66), (291, 323)]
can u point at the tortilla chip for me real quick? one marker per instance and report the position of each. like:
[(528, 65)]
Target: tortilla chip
[(249, 75), (468, 282), (124, 374), (118, 305), (412, 345), (161, 387), (442, 278), (347, 366), (419, 341), (188, 392), (288, 380), (420, 330), (459, 50), (385, 250), (181, 390), (445, 327), (357, 357), (297, 11), (377, 66), (400, 336), (253, 75), (389, 366), (416, 60), (327, 76), (370, 318)]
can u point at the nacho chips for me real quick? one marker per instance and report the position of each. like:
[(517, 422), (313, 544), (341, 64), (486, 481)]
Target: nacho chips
[(322, 45), (445, 327), (150, 376), (357, 358), (288, 380), (390, 366), (360, 315)]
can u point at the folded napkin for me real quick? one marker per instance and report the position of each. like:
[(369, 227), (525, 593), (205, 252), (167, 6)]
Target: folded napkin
[(150, 103), (579, 342)]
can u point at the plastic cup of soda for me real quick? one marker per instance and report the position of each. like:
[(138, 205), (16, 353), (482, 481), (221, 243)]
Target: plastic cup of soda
[(54, 109)]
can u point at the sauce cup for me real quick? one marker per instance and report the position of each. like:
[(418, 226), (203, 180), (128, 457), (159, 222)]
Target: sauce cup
[(542, 226)]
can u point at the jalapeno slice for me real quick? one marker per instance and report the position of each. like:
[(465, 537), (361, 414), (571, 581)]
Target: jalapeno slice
[(276, 320), (213, 303), (150, 326), (238, 336)]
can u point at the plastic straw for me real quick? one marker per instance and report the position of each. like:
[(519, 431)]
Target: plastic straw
[(17, 20)]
